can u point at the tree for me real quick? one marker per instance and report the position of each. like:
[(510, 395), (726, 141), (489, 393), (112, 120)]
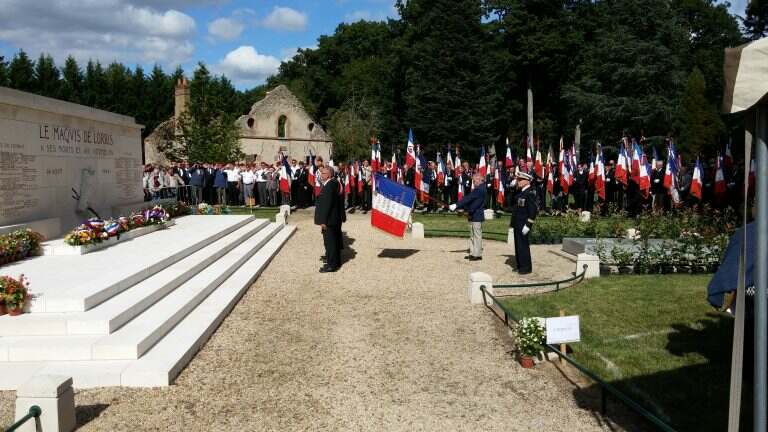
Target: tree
[(352, 127), (95, 85), (699, 124), (208, 133), (47, 77), (21, 73), (445, 89), (72, 83), (3, 72), (756, 19)]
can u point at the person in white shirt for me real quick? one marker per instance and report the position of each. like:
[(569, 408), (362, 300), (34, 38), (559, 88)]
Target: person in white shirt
[(233, 177), (248, 177), (261, 184)]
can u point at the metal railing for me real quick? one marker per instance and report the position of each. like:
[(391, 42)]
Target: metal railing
[(605, 387), (34, 413), (557, 284)]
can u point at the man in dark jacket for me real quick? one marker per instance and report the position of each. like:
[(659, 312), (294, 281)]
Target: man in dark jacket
[(526, 209), (328, 214), (474, 205), (197, 177)]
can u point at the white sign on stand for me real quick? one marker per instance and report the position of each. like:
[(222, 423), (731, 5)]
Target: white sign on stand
[(562, 330)]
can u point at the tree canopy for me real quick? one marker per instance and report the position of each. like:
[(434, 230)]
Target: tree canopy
[(457, 72)]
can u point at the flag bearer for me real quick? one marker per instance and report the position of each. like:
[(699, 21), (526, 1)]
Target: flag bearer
[(525, 210)]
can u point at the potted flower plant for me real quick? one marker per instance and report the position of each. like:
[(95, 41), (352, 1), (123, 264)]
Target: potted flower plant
[(15, 293), (529, 335)]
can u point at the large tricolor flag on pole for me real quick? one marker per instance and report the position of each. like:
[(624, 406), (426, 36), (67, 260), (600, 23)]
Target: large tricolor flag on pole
[(392, 207), (285, 176), (482, 168), (410, 151), (697, 182), (508, 162)]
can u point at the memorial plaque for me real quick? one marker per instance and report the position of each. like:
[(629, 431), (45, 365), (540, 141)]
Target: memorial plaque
[(52, 152)]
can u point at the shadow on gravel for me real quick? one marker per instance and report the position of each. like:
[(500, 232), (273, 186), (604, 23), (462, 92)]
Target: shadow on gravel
[(397, 253), (510, 261), (347, 253), (85, 413)]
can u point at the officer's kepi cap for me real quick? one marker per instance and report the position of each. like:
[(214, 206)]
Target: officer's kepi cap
[(524, 175)]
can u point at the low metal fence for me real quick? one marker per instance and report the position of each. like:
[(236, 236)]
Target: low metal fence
[(558, 285), (606, 388), (34, 413)]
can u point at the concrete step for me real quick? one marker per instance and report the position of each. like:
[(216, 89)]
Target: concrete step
[(118, 310), (139, 335), (163, 363), (167, 358), (79, 283)]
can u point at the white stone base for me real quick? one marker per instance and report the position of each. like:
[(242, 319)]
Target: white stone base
[(58, 247), (593, 265), (476, 280), (417, 230), (54, 395), (489, 214)]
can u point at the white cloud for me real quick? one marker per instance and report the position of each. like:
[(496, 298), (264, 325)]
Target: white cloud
[(284, 18), (225, 28), (245, 65), (108, 30)]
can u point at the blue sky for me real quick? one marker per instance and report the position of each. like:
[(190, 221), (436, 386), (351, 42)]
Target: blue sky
[(246, 40)]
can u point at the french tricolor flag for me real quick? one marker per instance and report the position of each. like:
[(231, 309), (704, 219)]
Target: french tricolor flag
[(392, 207)]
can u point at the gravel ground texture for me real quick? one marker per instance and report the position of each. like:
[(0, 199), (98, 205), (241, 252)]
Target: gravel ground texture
[(390, 342)]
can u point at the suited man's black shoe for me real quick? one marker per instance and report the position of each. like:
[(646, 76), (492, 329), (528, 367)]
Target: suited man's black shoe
[(474, 258), (328, 269)]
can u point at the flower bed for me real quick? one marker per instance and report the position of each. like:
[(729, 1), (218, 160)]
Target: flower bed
[(692, 252), (95, 234), (14, 295), (18, 245)]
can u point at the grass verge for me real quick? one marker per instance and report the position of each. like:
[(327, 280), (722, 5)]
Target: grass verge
[(655, 337)]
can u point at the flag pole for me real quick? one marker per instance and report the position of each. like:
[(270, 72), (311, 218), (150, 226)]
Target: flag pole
[(761, 269)]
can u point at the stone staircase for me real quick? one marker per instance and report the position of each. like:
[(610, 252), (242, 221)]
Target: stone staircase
[(142, 321)]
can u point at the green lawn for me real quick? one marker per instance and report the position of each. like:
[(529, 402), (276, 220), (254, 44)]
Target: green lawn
[(547, 229), (259, 213), (655, 337)]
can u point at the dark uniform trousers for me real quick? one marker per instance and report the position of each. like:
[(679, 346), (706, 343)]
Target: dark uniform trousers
[(526, 208)]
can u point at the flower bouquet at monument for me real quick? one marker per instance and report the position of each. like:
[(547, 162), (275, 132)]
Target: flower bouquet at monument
[(80, 236), (204, 209), (156, 215), (14, 294), (19, 244)]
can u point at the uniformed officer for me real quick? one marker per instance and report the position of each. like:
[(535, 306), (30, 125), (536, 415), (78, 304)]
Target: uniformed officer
[(525, 208)]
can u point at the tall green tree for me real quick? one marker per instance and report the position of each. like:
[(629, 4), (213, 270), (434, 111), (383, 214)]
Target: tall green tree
[(352, 127), (47, 77), (21, 73), (95, 85), (117, 84), (756, 19), (3, 72), (699, 123), (72, 81), (208, 133), (445, 90)]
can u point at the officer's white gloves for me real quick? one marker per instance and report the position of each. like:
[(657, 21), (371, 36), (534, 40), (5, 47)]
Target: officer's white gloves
[(452, 207), (526, 230)]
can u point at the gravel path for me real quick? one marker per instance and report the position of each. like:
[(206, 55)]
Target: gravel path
[(390, 342)]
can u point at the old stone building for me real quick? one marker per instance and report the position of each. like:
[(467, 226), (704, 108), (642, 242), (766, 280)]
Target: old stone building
[(276, 123)]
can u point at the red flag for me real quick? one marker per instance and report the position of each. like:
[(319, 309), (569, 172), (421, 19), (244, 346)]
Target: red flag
[(720, 186), (697, 182)]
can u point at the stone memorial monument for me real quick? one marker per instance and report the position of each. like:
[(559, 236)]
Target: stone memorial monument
[(60, 162)]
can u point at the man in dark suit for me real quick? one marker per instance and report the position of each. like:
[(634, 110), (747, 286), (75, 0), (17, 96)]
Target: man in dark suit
[(328, 214), (525, 211)]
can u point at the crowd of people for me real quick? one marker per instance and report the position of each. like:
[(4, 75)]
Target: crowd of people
[(596, 185), (240, 184)]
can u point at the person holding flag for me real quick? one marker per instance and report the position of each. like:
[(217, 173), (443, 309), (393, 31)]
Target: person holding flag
[(474, 205)]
